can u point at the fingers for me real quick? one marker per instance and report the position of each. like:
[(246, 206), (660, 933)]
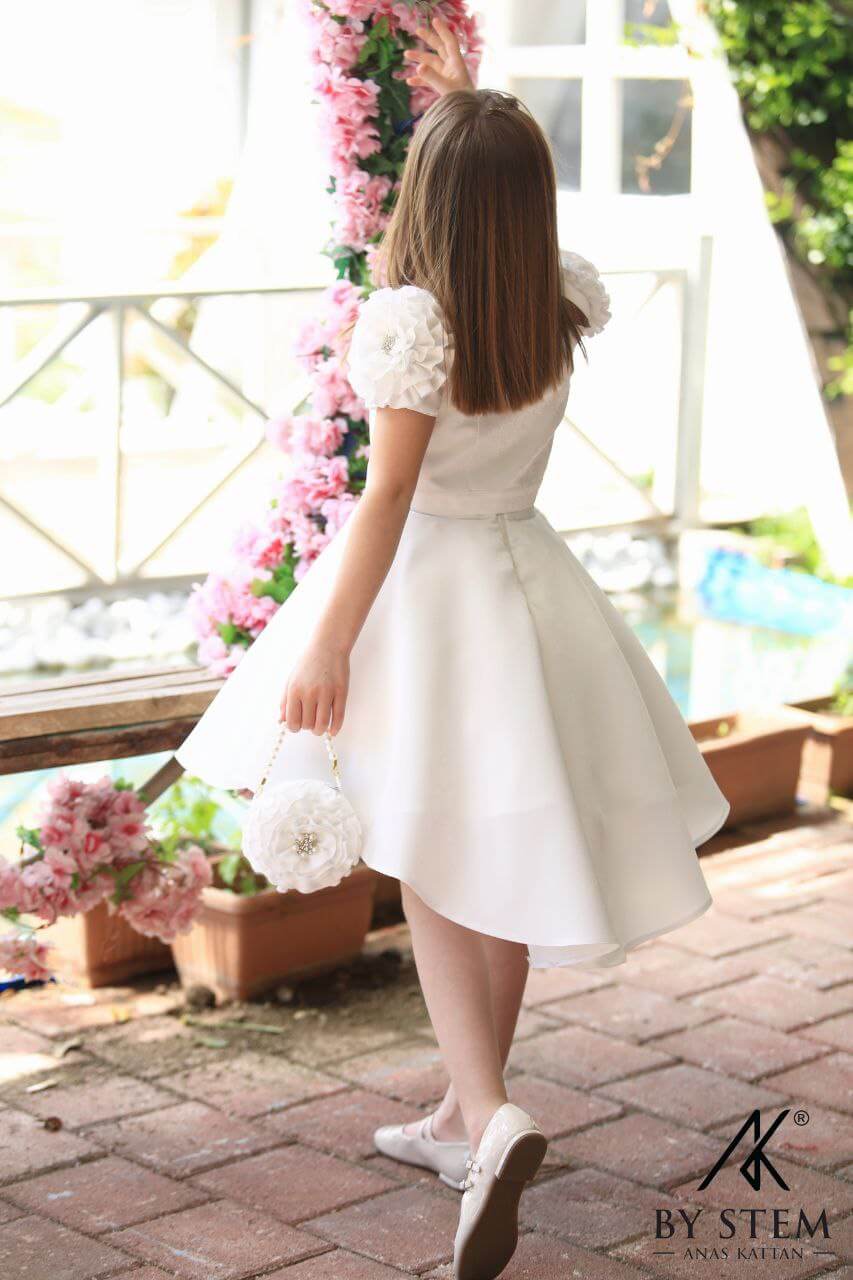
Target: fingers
[(431, 36), (448, 38), (315, 711), (440, 38), (424, 59), (293, 714), (338, 708), (324, 712), (432, 80)]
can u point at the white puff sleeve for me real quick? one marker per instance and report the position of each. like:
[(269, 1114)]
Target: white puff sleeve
[(584, 288), (397, 352)]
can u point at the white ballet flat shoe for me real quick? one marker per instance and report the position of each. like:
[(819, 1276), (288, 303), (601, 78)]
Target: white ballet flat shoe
[(447, 1159), (511, 1150)]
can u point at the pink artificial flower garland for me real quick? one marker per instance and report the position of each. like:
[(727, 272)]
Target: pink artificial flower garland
[(93, 845), (366, 112)]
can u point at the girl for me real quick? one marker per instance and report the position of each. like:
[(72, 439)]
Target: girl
[(513, 755)]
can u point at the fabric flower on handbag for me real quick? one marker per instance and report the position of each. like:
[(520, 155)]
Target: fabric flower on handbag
[(302, 835), (397, 357), (585, 289)]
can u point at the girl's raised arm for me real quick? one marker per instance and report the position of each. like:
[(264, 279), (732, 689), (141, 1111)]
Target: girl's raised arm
[(444, 69)]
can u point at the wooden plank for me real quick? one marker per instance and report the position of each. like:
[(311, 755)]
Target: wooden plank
[(92, 695), (128, 710), (161, 781), (105, 676), (87, 746)]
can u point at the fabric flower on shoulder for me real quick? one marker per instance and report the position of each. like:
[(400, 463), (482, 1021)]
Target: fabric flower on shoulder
[(397, 354), (584, 287)]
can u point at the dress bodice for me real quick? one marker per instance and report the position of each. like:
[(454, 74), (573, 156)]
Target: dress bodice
[(475, 465), (492, 462)]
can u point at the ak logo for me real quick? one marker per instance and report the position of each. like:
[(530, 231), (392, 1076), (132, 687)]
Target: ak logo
[(757, 1158)]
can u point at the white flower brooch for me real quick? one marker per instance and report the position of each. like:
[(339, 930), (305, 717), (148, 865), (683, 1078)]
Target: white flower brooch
[(585, 288), (396, 357)]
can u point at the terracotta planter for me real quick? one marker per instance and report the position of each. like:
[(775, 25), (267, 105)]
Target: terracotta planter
[(756, 764), (387, 903), (100, 950), (828, 749), (243, 946)]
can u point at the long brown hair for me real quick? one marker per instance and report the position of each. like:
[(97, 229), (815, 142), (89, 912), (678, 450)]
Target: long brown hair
[(475, 224)]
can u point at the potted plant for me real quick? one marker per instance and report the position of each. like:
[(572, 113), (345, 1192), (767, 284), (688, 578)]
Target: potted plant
[(100, 949), (93, 893), (828, 751), (248, 937), (755, 760)]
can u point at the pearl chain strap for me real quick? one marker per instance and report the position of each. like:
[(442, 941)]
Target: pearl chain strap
[(330, 751)]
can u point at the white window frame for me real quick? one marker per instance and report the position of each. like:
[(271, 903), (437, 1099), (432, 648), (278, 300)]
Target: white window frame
[(600, 64)]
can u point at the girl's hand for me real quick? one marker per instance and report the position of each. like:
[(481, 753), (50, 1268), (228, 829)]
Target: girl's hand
[(444, 69), (316, 693)]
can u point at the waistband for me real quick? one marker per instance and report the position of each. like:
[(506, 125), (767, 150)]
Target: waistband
[(526, 513)]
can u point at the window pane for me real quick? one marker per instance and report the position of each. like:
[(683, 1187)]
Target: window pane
[(556, 104), (656, 120), (548, 22), (648, 22)]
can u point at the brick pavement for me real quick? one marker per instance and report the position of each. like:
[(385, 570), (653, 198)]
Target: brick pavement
[(236, 1142)]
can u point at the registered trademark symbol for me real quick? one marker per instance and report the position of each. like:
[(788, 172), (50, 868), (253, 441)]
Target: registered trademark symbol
[(801, 1117)]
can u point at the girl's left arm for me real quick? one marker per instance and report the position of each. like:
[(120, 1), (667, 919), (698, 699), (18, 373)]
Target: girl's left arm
[(316, 691)]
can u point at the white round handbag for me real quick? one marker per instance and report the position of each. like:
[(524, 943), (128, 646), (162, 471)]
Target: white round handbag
[(302, 835)]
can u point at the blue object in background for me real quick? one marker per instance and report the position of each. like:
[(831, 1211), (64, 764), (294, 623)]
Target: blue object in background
[(21, 984), (735, 587)]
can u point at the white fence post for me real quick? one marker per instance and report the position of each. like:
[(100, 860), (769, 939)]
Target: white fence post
[(694, 341)]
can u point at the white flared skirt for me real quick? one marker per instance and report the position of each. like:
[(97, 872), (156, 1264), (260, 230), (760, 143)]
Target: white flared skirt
[(508, 745)]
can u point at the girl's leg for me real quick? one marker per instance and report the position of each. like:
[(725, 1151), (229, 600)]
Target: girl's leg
[(453, 968), (508, 968)]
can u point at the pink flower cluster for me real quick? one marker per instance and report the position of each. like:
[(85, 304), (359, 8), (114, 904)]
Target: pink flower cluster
[(166, 898), (23, 955), (349, 105), (327, 447), (93, 844)]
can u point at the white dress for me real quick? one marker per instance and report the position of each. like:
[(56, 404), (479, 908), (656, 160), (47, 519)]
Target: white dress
[(508, 745)]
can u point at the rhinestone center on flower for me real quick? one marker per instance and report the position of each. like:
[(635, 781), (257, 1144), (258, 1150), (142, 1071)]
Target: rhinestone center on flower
[(389, 341), (305, 843)]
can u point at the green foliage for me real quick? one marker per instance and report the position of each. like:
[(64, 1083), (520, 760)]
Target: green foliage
[(30, 836), (186, 813), (232, 634), (842, 701), (281, 581), (791, 63), (843, 384), (641, 33), (190, 813), (791, 535), (122, 877), (380, 58), (236, 874)]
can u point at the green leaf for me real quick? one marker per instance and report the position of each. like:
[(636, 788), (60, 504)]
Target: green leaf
[(232, 634), (31, 837), (123, 876), (229, 868), (248, 884)]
